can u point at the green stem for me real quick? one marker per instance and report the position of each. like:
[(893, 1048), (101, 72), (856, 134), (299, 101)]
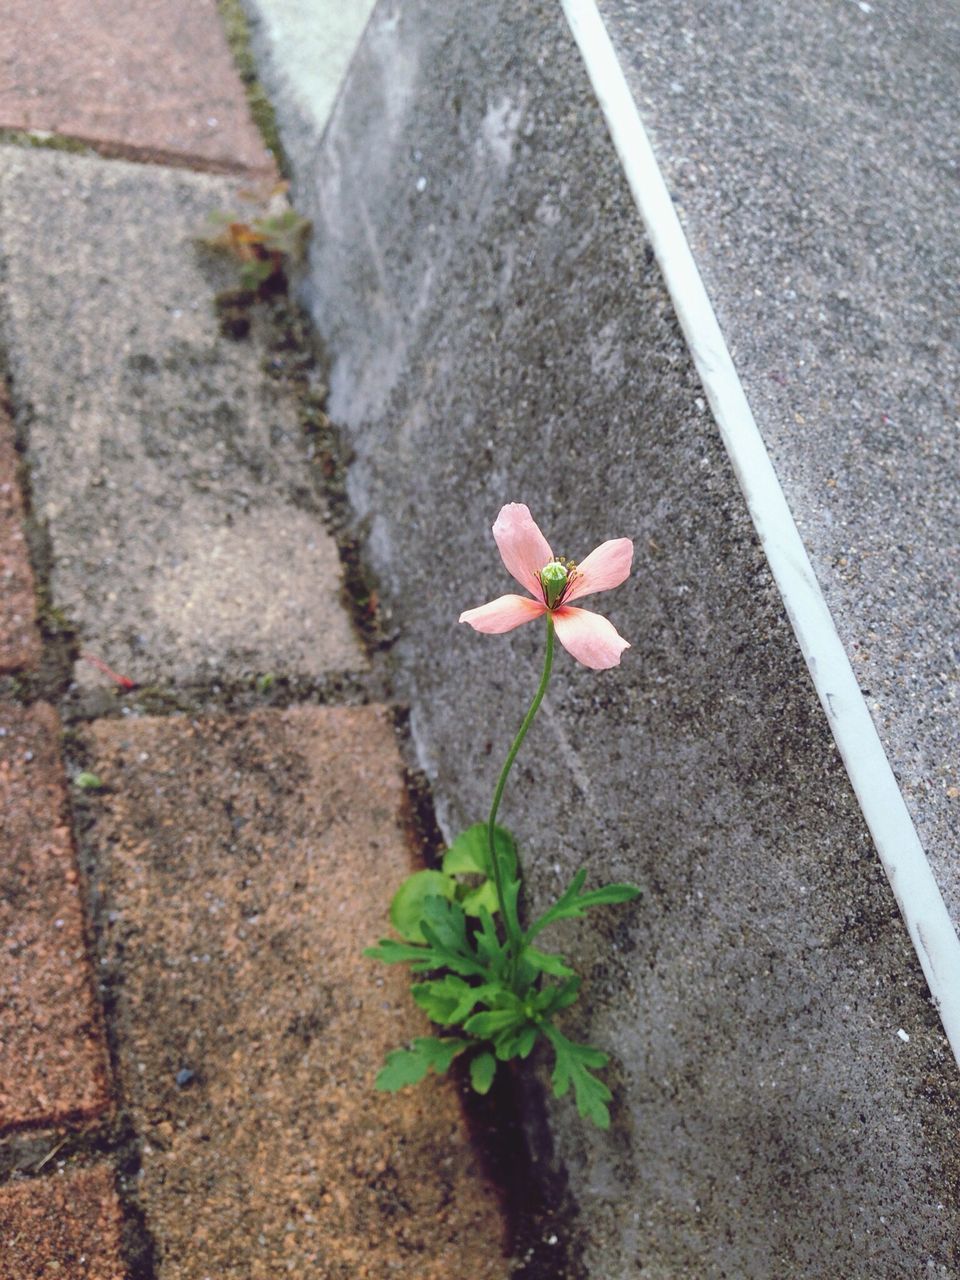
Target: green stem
[(514, 939)]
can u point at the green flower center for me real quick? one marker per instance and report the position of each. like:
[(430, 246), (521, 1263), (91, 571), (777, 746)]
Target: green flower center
[(554, 578)]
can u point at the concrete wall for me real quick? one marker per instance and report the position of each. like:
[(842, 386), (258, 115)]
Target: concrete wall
[(498, 332)]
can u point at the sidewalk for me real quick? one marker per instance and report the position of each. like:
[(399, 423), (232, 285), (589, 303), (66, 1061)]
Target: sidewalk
[(188, 1031)]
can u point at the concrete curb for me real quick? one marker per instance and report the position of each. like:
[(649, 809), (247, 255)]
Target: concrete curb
[(898, 846)]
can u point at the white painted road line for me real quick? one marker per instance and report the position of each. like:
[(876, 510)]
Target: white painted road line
[(876, 788)]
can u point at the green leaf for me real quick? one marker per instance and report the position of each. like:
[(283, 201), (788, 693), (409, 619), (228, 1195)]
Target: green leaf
[(554, 998), (489, 947), (517, 1042), (445, 929), (571, 1067), (392, 952), (573, 903), (447, 925), (511, 894), (439, 999), (484, 898), (285, 232), (546, 962), (449, 1000), (482, 1070), (88, 781), (256, 272), (407, 907), (409, 1066), (491, 1021), (470, 853)]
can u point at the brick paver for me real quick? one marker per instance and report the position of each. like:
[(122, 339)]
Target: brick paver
[(149, 79), (244, 863), (53, 1058), (61, 1227), (19, 636)]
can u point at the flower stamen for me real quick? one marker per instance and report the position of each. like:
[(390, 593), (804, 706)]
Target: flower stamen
[(556, 579)]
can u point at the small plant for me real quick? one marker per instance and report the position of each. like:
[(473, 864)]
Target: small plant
[(85, 781), (478, 974), (263, 244)]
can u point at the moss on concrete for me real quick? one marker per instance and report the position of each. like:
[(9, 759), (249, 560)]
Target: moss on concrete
[(237, 29), (45, 141)]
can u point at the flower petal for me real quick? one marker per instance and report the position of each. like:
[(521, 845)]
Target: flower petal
[(523, 548), (606, 567), (590, 638), (503, 614)]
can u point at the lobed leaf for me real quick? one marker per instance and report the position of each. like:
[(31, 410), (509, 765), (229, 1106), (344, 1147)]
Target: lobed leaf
[(409, 1066), (572, 903), (546, 962), (489, 947), (491, 1021), (554, 998), (449, 1000), (392, 952), (517, 1042), (483, 898), (571, 1067)]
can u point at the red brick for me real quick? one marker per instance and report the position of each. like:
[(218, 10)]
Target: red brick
[(65, 1226), (245, 862), (149, 79), (19, 636), (53, 1058)]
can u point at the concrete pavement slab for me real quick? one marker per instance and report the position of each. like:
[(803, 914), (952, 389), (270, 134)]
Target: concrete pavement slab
[(810, 152), (62, 1227), (53, 1055), (240, 865), (148, 79), (19, 635), (308, 45), (187, 540)]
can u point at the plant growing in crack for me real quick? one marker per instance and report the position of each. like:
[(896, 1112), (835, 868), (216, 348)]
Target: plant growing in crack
[(477, 972), (263, 245)]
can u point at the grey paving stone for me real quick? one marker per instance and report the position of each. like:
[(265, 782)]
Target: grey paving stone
[(187, 541), (498, 333)]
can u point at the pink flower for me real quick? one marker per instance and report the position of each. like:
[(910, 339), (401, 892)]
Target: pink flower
[(553, 583)]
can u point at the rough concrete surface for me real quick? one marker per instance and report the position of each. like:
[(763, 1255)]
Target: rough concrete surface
[(239, 866), (497, 333), (811, 151), (19, 637), (62, 1227), (53, 1054), (309, 47), (151, 79), (186, 538)]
